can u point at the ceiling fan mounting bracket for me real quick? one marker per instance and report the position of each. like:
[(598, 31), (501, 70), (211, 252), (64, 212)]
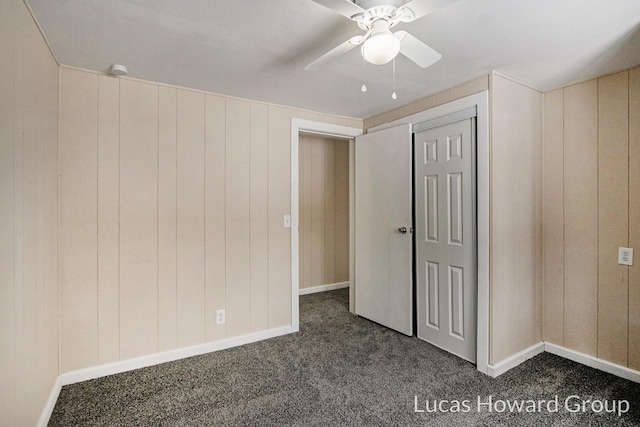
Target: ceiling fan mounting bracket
[(388, 13)]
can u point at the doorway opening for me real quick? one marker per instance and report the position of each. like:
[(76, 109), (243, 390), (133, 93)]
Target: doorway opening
[(323, 213), (307, 127)]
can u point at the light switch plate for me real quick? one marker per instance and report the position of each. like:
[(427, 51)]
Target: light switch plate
[(625, 256), (287, 221)]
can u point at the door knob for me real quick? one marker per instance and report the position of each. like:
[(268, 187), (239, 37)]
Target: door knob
[(402, 230)]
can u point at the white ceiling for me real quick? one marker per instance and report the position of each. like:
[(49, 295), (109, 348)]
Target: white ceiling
[(257, 49)]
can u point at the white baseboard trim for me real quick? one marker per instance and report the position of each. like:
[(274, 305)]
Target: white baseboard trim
[(593, 362), (515, 360), (584, 359), (51, 403), (151, 360), (168, 356), (323, 288)]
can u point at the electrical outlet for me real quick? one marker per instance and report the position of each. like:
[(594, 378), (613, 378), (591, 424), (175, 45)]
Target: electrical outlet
[(219, 317), (625, 256)]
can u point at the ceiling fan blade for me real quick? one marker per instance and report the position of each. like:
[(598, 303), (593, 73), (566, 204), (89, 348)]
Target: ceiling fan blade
[(416, 50), (420, 8), (343, 7), (334, 53)]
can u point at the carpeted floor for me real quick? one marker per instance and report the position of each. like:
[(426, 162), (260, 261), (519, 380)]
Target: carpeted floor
[(344, 370)]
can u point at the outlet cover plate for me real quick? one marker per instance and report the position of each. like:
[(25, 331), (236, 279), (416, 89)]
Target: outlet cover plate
[(220, 317), (625, 256)]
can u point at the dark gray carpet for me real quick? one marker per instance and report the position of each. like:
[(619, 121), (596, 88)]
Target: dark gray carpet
[(340, 370)]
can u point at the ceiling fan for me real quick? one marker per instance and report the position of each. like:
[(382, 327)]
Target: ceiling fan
[(376, 18)]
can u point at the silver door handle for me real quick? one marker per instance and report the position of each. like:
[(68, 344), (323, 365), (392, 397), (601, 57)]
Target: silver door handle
[(402, 230)]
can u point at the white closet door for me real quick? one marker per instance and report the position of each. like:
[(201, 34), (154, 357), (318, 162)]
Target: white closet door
[(445, 237)]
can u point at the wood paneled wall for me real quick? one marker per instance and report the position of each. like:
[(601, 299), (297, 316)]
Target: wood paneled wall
[(592, 207), (28, 217), (515, 218), (324, 211), (171, 207), (477, 85)]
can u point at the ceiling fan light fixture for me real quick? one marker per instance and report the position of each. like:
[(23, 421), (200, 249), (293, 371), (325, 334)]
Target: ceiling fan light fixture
[(382, 46)]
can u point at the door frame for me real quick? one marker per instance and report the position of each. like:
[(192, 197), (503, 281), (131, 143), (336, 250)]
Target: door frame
[(481, 102), (333, 131)]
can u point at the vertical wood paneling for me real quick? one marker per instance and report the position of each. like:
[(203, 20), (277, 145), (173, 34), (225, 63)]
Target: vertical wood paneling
[(108, 219), (46, 97), (259, 170), (553, 215), (200, 198), (48, 300), (279, 205), (581, 217), (238, 230), (601, 213), (634, 218), (31, 167), (305, 197), (78, 220), (190, 218), (167, 177), (19, 217), (28, 217), (329, 212), (535, 243), (341, 194), (613, 219), (530, 220), (504, 244), (41, 375), (318, 235), (215, 220), (8, 377), (138, 219), (516, 241), (41, 361)]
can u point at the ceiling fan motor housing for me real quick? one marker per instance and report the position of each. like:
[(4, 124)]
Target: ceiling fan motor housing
[(391, 14), (370, 16)]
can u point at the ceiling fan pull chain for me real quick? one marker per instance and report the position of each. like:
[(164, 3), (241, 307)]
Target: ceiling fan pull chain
[(393, 95), (364, 86)]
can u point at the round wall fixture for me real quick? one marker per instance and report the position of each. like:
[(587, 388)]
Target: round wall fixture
[(118, 70)]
